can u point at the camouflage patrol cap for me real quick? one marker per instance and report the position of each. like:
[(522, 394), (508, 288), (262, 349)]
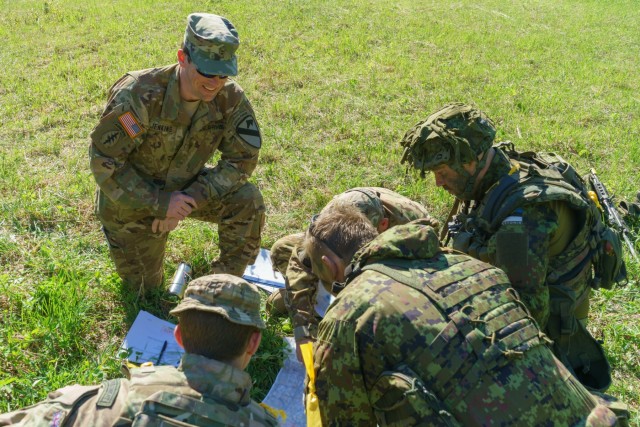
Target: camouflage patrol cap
[(232, 297), (454, 135), (364, 199), (212, 42)]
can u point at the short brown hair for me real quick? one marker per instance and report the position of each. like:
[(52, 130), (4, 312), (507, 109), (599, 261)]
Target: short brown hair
[(212, 336), (343, 229)]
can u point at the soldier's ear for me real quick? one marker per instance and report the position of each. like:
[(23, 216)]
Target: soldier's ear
[(383, 225), (254, 342), (177, 333), (182, 57), (331, 265)]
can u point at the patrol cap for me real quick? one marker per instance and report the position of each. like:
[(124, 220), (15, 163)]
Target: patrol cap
[(455, 134), (212, 42), (365, 200), (232, 297)]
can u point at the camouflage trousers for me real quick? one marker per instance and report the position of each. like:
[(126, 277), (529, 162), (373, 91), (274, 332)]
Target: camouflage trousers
[(138, 253)]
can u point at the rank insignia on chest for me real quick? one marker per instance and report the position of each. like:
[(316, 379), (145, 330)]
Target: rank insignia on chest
[(130, 124)]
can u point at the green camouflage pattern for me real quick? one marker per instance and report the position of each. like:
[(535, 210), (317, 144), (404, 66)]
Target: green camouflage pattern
[(301, 283), (219, 391), (212, 42), (451, 345), (454, 135), (232, 297), (136, 176), (537, 238), (366, 200)]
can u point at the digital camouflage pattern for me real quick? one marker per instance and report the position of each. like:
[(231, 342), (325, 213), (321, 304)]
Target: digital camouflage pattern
[(200, 392), (454, 135), (212, 42), (288, 258), (233, 298), (541, 233), (444, 342), (164, 149)]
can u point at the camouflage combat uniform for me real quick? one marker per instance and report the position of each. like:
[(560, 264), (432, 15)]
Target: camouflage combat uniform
[(161, 150), (543, 243), (201, 391), (301, 283), (214, 391), (526, 218), (425, 336)]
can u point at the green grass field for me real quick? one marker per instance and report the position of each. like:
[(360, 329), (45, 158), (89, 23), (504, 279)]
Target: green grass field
[(335, 85)]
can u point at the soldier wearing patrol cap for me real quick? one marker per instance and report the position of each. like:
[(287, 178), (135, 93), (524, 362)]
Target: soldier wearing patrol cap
[(220, 329), (526, 214), (303, 298), (149, 155)]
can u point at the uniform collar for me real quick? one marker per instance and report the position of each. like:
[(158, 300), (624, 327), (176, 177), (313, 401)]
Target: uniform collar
[(214, 378), (171, 101)]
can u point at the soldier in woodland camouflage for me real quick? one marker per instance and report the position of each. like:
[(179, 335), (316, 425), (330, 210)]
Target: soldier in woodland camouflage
[(383, 207), (521, 214), (423, 335), (220, 329), (149, 156)]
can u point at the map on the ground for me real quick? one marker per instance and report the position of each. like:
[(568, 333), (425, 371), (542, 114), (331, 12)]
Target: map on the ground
[(287, 391), (261, 273)]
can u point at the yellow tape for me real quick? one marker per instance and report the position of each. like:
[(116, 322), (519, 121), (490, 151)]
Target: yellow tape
[(313, 409)]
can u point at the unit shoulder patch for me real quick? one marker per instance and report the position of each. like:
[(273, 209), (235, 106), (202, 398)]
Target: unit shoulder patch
[(247, 129)]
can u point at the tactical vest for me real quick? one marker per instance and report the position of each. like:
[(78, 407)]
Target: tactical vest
[(484, 321), (542, 178)]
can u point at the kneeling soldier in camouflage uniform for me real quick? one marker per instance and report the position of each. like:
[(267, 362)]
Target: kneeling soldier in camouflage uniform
[(220, 329), (384, 208), (424, 335), (149, 157), (527, 214)]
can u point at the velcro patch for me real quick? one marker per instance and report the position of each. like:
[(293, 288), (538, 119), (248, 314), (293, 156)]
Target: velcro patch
[(249, 132), (130, 124), (512, 219), (110, 137)]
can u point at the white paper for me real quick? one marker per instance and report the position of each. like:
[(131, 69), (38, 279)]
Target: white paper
[(323, 300), (146, 338), (287, 391), (261, 273)]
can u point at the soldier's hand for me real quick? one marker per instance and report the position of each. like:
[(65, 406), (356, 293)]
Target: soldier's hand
[(164, 225), (298, 351), (180, 205)]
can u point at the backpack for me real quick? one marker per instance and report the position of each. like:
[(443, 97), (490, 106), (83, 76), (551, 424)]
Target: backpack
[(551, 170)]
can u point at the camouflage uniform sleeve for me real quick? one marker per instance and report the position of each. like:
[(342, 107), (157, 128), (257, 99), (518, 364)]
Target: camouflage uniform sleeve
[(340, 385), (239, 156), (521, 247), (301, 286), (120, 130)]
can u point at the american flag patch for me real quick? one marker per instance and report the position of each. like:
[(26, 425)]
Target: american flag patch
[(130, 124)]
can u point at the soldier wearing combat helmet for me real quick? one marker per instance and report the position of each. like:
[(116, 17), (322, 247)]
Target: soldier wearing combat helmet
[(150, 155), (523, 217), (220, 330)]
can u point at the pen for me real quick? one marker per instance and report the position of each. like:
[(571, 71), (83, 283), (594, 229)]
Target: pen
[(164, 347)]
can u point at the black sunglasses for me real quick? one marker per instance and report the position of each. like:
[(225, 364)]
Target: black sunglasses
[(210, 76)]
